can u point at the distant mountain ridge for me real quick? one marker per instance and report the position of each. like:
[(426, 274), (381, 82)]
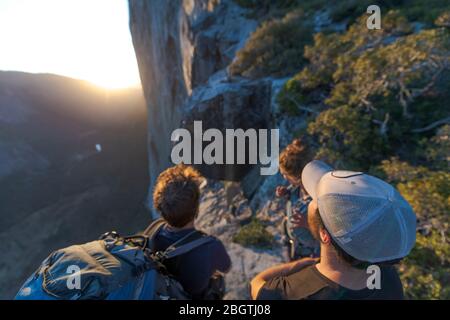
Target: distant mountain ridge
[(73, 164)]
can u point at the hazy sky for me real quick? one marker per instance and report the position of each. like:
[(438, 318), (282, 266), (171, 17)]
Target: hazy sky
[(84, 39)]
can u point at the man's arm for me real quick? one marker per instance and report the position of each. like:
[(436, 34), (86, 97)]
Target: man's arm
[(280, 270)]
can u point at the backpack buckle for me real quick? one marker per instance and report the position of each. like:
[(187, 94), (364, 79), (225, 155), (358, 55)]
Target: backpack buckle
[(110, 234), (110, 239), (159, 256)]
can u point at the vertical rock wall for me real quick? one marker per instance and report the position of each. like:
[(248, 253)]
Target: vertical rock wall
[(180, 45)]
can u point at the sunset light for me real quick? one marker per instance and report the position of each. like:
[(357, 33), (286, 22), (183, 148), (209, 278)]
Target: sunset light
[(82, 39)]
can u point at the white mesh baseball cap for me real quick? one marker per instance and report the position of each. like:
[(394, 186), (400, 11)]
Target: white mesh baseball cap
[(366, 216)]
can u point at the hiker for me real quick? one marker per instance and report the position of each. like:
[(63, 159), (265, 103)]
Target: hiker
[(361, 222), (169, 260), (176, 197), (292, 161)]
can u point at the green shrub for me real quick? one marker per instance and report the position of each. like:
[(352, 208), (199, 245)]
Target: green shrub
[(427, 191), (254, 234), (425, 11), (443, 20), (428, 196), (347, 138), (437, 148), (425, 272), (315, 77), (396, 171), (396, 81), (274, 49), (352, 9), (371, 95), (258, 4), (262, 10), (331, 61)]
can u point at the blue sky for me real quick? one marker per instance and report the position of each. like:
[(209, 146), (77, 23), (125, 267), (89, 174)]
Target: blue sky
[(83, 39)]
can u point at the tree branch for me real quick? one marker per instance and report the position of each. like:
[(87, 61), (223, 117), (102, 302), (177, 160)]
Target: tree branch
[(301, 107), (432, 125), (383, 124)]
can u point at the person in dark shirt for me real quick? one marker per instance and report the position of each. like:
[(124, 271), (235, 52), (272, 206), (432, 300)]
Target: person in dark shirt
[(176, 197), (195, 268), (310, 284), (364, 226)]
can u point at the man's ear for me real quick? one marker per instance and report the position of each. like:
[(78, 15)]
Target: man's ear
[(324, 236)]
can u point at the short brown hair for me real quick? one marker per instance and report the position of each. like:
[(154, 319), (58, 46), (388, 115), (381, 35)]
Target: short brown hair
[(176, 195), (315, 225), (295, 157)]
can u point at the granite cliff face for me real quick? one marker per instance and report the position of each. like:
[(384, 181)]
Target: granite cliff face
[(184, 48)]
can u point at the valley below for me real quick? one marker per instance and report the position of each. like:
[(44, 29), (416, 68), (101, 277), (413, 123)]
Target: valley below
[(73, 165)]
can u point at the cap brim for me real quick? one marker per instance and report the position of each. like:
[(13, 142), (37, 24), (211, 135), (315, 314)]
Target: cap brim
[(311, 175)]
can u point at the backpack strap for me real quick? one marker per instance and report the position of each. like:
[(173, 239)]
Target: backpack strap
[(187, 243), (153, 228), (141, 239), (178, 249)]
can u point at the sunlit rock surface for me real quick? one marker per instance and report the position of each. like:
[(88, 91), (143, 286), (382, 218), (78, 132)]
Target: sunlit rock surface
[(222, 212), (179, 45), (183, 50)]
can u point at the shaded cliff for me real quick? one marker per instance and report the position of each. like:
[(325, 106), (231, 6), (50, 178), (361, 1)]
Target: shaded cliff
[(184, 49), (179, 46)]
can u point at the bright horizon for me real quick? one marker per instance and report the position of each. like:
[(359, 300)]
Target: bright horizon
[(82, 39)]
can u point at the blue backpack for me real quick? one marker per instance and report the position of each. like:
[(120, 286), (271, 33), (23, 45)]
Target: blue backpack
[(111, 268)]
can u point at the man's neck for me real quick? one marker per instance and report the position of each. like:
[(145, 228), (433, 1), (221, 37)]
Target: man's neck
[(340, 272), (190, 225)]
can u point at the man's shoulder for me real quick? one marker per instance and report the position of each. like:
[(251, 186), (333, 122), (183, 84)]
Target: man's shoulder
[(212, 247), (213, 240), (215, 246), (299, 285), (308, 283), (209, 257), (391, 283)]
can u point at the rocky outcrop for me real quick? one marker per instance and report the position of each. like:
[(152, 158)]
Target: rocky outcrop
[(218, 217), (179, 45), (183, 48), (224, 104)]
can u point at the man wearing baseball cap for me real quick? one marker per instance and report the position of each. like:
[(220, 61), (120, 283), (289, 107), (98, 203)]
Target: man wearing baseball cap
[(360, 221)]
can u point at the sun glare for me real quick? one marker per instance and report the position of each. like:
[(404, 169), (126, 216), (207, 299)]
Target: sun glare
[(83, 39), (114, 78)]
